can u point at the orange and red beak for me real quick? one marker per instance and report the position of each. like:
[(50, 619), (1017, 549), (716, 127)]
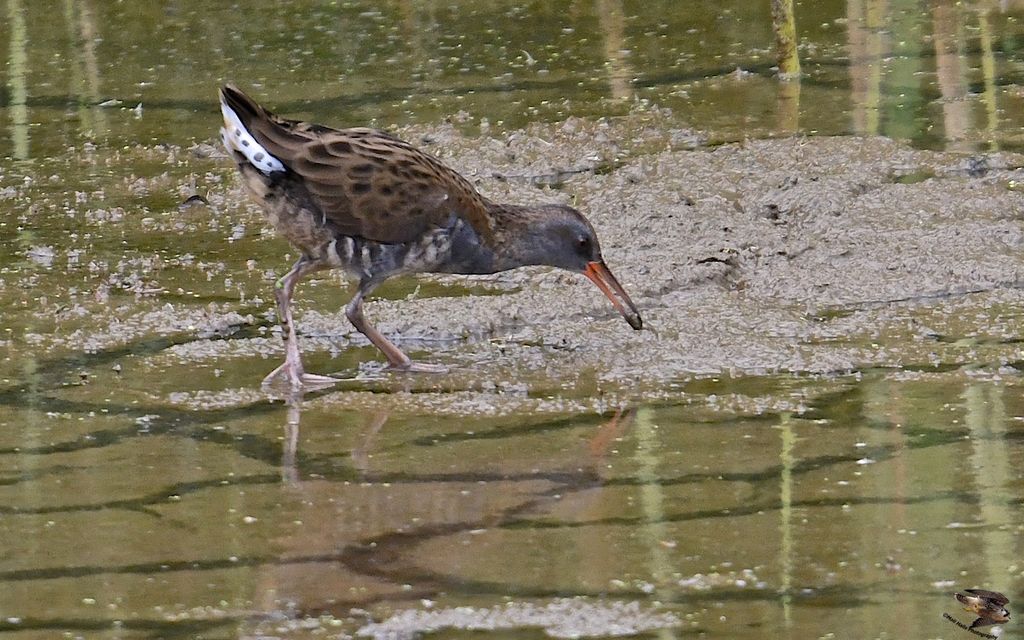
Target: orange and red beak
[(600, 275)]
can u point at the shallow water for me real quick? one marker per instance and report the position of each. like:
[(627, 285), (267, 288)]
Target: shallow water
[(838, 464), (937, 74), (858, 510)]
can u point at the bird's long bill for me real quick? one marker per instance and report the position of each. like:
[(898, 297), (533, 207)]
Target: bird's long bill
[(598, 272)]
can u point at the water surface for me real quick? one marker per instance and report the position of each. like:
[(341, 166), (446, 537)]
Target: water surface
[(146, 496)]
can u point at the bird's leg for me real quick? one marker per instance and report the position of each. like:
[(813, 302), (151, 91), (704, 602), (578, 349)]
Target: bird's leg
[(292, 369), (396, 359)]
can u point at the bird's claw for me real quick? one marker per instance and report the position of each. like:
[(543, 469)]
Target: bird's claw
[(297, 379)]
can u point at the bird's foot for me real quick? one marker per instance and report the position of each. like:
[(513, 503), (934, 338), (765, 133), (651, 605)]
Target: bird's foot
[(297, 379), (418, 367), (312, 382)]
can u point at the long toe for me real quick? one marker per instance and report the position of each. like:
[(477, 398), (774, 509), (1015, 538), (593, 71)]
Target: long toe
[(293, 377), (420, 367), (312, 382), (285, 378)]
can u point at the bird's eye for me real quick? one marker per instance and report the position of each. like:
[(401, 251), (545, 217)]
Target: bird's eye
[(583, 242)]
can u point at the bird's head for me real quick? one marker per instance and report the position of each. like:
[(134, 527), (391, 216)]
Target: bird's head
[(560, 236)]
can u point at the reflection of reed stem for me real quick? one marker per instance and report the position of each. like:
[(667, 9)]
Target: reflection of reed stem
[(75, 73), (877, 49), (988, 72), (652, 498), (788, 107), (784, 25), (950, 74), (290, 448), (17, 81), (613, 25), (786, 515), (868, 46), (985, 418), (92, 67)]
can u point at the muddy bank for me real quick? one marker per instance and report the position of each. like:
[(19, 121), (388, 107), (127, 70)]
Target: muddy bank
[(138, 334), (804, 255), (792, 255)]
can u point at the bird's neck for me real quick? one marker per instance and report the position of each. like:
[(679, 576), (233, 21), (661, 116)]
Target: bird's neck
[(506, 247), (514, 242)]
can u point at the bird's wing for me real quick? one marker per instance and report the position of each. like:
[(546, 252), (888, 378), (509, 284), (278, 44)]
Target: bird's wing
[(370, 184), (992, 596), (982, 622), (365, 182)]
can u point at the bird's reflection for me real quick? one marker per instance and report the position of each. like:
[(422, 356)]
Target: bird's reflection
[(289, 472), (610, 432), (598, 445), (360, 541), (374, 422)]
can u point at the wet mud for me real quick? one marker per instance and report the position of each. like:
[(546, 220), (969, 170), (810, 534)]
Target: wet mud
[(802, 255), (794, 255), (771, 275)]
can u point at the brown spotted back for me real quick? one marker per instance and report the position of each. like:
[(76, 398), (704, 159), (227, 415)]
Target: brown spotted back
[(365, 182)]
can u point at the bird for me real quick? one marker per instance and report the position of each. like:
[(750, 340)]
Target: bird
[(989, 606), (363, 201)]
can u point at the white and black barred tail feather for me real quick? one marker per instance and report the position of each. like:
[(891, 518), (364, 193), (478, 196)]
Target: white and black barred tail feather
[(236, 137)]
